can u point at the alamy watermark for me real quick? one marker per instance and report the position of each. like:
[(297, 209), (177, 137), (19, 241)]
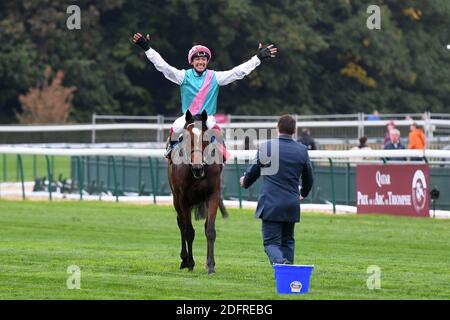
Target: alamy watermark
[(73, 22), (374, 20), (74, 278), (374, 280), (207, 147)]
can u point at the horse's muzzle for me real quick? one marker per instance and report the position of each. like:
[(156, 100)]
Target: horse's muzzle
[(198, 171)]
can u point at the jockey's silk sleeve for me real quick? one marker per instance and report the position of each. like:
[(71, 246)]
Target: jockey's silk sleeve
[(237, 73), (171, 73)]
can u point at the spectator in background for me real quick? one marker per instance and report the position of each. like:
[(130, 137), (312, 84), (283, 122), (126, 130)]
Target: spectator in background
[(362, 144), (374, 116), (416, 137), (306, 139), (394, 143), (387, 137)]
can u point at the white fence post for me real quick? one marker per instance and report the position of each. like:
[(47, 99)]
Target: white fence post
[(94, 119)]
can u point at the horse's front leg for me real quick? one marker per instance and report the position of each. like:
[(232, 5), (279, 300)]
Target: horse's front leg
[(180, 221), (210, 231), (188, 232), (183, 253)]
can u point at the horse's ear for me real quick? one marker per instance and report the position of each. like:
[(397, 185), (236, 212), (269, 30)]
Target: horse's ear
[(204, 116), (188, 117)]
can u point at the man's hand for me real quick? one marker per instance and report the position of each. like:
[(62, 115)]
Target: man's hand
[(141, 41), (267, 52), (242, 181)]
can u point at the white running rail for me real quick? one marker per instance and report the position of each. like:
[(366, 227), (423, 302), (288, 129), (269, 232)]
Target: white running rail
[(238, 154), (234, 125)]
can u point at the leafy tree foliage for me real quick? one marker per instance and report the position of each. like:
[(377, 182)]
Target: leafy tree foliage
[(328, 61)]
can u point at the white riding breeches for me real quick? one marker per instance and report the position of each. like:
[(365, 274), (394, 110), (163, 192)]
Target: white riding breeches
[(179, 123)]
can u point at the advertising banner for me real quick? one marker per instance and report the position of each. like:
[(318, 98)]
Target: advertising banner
[(393, 189)]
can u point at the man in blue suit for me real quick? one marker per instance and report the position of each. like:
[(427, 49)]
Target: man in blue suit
[(279, 200)]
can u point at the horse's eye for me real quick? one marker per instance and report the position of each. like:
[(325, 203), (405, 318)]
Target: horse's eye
[(213, 139), (180, 138)]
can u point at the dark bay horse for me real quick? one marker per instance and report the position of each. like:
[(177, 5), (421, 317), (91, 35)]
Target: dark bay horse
[(194, 178)]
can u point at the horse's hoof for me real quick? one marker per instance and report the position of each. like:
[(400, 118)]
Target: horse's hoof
[(191, 269), (183, 265), (211, 272)]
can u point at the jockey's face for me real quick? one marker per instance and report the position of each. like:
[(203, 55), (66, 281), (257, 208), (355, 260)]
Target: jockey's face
[(200, 64)]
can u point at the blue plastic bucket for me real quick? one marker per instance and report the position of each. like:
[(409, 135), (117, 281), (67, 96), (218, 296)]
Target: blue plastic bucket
[(292, 279)]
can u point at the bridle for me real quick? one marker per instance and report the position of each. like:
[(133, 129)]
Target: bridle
[(198, 170)]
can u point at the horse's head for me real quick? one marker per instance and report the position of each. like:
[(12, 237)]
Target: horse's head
[(195, 127)]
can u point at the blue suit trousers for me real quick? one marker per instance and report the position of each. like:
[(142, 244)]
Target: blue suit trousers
[(278, 240)]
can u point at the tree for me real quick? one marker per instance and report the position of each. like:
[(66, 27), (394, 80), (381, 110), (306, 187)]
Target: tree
[(328, 61), (49, 103)]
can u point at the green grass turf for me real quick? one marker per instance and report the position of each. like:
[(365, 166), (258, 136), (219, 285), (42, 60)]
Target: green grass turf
[(31, 167), (132, 252)]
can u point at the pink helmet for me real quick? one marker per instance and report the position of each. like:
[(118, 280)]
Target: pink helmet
[(195, 50)]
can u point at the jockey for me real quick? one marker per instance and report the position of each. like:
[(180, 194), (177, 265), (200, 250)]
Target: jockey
[(199, 85)]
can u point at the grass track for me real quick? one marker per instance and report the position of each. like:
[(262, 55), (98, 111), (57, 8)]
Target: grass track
[(132, 252)]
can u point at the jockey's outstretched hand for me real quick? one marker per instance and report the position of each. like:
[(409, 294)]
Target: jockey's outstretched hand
[(266, 52), (142, 41)]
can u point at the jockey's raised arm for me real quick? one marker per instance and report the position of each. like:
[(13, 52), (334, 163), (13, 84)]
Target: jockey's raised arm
[(171, 73), (237, 73)]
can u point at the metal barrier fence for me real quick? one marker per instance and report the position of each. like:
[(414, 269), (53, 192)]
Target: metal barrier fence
[(156, 128), (145, 171)]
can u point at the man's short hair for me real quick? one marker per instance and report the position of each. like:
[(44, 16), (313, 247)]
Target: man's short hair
[(286, 124), (395, 131)]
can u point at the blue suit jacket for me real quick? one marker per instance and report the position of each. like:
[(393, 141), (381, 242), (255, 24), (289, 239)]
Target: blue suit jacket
[(279, 198)]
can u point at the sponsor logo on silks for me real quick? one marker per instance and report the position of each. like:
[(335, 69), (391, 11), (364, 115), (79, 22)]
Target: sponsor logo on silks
[(296, 286), (419, 190)]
